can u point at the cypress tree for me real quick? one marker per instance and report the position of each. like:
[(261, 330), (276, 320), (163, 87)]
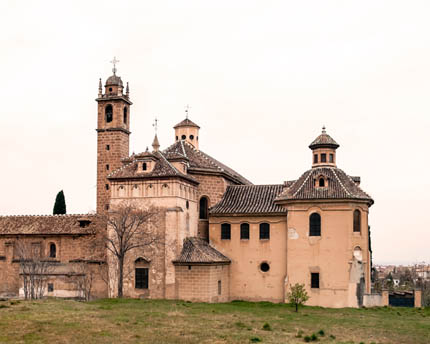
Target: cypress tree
[(60, 204)]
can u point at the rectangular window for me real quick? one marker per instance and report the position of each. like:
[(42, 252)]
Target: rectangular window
[(264, 231), (331, 158), (244, 231), (219, 288), (315, 280), (141, 278), (50, 287), (225, 231), (107, 147), (107, 186), (315, 158), (323, 157), (107, 167)]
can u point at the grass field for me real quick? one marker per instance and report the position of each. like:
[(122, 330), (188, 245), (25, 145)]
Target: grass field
[(158, 321)]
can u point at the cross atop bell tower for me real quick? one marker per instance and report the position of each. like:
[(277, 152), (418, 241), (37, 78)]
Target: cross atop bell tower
[(113, 131)]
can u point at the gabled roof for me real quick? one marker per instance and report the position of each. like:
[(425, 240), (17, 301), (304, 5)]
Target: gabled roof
[(249, 199), (340, 186), (186, 123), (49, 224), (162, 169), (201, 162), (198, 251)]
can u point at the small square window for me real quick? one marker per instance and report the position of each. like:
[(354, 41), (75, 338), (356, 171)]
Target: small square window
[(107, 186), (315, 280), (323, 157), (107, 147)]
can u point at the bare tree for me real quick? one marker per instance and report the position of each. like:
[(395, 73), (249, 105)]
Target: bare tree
[(83, 278), (34, 269), (129, 228)]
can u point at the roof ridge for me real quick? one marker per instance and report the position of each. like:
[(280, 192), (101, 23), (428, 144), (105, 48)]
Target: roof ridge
[(121, 168), (301, 186), (340, 182), (173, 167), (183, 148)]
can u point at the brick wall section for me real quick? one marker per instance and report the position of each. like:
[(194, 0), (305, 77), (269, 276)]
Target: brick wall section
[(200, 283), (118, 142)]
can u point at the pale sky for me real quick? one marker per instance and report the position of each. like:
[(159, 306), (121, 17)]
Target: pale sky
[(261, 77)]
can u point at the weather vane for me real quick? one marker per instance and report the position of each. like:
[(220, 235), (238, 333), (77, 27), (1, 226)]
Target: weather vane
[(114, 62), (155, 125), (187, 108)]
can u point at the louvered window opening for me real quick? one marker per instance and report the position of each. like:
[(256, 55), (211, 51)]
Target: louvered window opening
[(244, 231), (315, 225), (264, 231), (225, 231), (142, 278)]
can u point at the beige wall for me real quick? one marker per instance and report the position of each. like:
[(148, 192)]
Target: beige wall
[(200, 283), (175, 223), (331, 254), (247, 281)]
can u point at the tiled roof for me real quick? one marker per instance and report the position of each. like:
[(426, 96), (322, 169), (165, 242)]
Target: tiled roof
[(201, 162), (198, 251), (340, 186), (162, 169), (249, 199), (323, 140), (48, 224), (186, 123)]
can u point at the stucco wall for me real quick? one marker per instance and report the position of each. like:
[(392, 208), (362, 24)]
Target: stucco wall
[(331, 254), (247, 281)]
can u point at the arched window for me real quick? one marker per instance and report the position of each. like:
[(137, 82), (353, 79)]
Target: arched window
[(225, 231), (357, 221), (52, 251), (144, 167), (203, 208), (141, 273), (244, 231), (108, 113), (264, 231), (125, 115), (321, 182), (315, 225)]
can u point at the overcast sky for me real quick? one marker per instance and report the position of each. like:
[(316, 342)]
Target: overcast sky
[(261, 77)]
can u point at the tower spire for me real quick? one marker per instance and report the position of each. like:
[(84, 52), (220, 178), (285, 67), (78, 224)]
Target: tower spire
[(100, 88), (127, 91)]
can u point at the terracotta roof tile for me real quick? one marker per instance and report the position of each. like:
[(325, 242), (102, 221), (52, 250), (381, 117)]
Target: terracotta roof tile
[(340, 186), (249, 199), (162, 169), (198, 251), (199, 161), (186, 123), (48, 224), (324, 140)]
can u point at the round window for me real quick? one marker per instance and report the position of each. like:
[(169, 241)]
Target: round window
[(183, 137), (110, 89), (264, 267), (192, 137)]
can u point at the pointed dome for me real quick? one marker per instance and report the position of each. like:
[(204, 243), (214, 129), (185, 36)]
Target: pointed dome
[(155, 143), (324, 141), (186, 123)]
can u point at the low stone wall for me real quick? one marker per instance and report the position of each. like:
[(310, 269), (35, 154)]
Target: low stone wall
[(373, 300)]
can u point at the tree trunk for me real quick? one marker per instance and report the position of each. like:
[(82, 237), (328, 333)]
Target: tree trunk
[(297, 307), (120, 275)]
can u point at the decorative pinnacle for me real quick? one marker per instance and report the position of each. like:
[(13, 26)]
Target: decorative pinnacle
[(323, 130), (155, 144), (114, 62), (127, 90), (187, 109)]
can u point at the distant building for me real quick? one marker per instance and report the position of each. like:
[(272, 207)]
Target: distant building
[(224, 237)]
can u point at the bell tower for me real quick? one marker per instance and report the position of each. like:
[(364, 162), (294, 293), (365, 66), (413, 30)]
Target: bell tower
[(113, 131)]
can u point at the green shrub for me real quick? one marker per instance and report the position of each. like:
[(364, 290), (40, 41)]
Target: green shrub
[(255, 340), (314, 337), (321, 333), (267, 327), (307, 339)]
